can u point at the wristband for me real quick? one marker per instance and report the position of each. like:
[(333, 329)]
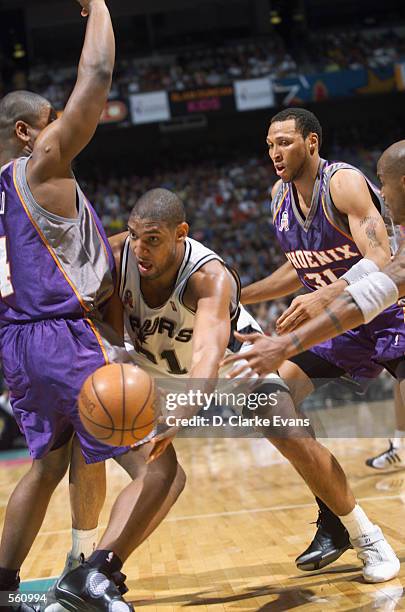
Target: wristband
[(374, 294)]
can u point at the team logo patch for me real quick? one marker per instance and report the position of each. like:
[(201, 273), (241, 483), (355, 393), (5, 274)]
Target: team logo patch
[(284, 226), (128, 299)]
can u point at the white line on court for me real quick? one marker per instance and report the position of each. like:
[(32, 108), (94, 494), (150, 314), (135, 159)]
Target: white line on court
[(191, 517)]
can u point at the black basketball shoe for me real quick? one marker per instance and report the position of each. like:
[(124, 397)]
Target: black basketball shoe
[(330, 542), (86, 589)]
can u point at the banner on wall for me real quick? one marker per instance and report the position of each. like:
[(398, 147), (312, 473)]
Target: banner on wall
[(253, 94), (204, 100), (326, 85), (150, 107)]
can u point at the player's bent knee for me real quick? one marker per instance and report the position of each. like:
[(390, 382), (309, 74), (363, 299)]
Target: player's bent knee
[(50, 472), (179, 481), (295, 448)]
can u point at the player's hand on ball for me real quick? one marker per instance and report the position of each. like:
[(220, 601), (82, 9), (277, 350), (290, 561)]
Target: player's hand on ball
[(266, 355)]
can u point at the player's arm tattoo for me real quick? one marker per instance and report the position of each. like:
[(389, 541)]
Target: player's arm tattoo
[(371, 224), (334, 320), (297, 342), (346, 298)]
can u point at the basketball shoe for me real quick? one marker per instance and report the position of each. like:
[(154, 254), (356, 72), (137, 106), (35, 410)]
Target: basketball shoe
[(330, 542), (86, 589), (380, 563), (392, 458), (52, 605)]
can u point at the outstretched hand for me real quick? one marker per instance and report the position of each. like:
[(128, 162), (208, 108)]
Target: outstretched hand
[(266, 355), (303, 308)]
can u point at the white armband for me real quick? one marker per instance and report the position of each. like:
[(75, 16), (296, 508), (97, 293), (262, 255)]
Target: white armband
[(362, 268), (374, 294)]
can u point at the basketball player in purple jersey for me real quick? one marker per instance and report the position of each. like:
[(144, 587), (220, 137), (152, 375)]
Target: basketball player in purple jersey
[(361, 301), (327, 220), (57, 278)]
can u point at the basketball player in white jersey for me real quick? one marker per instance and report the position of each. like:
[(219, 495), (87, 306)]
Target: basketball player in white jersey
[(181, 304)]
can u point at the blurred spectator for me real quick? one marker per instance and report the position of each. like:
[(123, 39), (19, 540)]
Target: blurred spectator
[(211, 66)]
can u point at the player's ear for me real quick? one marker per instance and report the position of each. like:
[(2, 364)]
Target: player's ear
[(313, 143), (182, 231), (22, 131)]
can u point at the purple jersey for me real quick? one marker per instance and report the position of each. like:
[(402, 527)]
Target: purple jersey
[(321, 249), (56, 276), (50, 266)]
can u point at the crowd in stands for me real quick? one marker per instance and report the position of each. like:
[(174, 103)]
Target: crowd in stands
[(208, 67), (227, 206)]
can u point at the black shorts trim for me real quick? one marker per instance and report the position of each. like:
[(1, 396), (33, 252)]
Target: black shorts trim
[(317, 368)]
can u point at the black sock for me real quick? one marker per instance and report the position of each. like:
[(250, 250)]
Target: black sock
[(9, 579), (106, 561)]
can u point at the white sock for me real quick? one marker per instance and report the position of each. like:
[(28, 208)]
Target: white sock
[(357, 522), (398, 440), (83, 541)]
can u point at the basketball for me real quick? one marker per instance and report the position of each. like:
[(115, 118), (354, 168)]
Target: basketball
[(116, 404)]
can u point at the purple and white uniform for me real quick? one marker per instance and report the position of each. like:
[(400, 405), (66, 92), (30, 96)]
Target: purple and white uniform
[(56, 276), (321, 249)]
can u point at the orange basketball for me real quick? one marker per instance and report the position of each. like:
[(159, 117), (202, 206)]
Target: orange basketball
[(116, 404)]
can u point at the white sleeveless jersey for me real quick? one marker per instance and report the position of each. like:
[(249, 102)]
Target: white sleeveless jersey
[(162, 337)]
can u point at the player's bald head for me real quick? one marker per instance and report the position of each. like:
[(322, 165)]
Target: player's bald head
[(392, 161), (21, 106), (160, 205)]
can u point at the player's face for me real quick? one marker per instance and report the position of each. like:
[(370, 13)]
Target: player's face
[(393, 192), (155, 246), (288, 150)]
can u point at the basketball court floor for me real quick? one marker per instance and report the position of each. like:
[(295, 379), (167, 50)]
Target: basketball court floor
[(231, 540)]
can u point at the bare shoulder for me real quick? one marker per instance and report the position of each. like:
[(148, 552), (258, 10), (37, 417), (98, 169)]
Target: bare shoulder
[(276, 187), (349, 190), (347, 180), (212, 280), (117, 244)]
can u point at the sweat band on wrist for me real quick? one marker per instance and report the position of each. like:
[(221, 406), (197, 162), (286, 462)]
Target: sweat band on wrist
[(374, 294), (362, 268)]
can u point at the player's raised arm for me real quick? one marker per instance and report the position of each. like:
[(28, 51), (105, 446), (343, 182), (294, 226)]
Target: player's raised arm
[(61, 142)]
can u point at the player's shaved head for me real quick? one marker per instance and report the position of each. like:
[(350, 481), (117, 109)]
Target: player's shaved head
[(20, 106), (392, 161), (160, 205)]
